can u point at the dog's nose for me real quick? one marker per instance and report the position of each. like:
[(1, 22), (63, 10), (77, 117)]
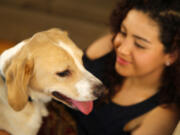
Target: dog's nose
[(99, 90)]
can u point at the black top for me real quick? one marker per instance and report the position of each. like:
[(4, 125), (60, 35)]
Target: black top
[(109, 119)]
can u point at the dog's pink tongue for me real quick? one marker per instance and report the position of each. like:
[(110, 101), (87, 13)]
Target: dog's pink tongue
[(84, 107)]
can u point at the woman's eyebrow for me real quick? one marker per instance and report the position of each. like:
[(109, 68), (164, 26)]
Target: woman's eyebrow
[(141, 38), (136, 36)]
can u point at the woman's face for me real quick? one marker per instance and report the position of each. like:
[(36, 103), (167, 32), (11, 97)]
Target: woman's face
[(139, 51)]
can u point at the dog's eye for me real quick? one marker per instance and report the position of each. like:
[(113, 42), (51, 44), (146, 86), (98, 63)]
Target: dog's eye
[(64, 73)]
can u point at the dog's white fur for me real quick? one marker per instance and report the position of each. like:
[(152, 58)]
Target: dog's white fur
[(29, 69), (8, 54)]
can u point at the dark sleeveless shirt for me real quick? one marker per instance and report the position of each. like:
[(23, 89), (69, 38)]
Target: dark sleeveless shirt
[(109, 118)]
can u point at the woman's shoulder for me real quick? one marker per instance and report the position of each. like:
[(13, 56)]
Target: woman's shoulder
[(100, 47), (162, 120), (169, 114)]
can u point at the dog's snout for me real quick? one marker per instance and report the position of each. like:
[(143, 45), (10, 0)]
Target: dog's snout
[(99, 90)]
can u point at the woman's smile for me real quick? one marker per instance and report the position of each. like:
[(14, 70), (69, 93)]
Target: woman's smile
[(122, 61)]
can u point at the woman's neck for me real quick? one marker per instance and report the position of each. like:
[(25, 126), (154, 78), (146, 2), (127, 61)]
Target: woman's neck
[(140, 84), (135, 90), (147, 82)]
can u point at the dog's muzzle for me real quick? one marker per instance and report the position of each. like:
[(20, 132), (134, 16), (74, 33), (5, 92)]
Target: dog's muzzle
[(99, 90)]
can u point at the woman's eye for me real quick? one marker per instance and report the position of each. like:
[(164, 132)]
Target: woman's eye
[(64, 73), (139, 46), (123, 33)]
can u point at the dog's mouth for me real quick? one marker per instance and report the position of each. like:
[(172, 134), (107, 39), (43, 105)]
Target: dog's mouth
[(84, 106)]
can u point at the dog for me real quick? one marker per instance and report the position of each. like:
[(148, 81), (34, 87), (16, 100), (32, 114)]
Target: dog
[(44, 67)]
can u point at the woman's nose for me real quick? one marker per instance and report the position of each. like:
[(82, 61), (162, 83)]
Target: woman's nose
[(122, 45)]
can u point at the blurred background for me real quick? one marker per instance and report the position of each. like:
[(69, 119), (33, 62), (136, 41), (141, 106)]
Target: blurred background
[(85, 20)]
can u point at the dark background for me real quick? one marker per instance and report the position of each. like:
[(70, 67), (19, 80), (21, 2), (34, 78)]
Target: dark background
[(85, 20)]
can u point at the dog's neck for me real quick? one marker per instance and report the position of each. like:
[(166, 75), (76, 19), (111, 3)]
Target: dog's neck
[(38, 96)]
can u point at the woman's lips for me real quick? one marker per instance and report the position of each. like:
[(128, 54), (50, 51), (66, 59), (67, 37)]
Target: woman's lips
[(122, 61)]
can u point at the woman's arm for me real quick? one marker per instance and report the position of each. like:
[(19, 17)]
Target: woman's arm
[(160, 121), (100, 47)]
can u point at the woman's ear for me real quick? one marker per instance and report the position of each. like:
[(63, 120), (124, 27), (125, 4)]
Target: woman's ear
[(172, 57), (18, 76)]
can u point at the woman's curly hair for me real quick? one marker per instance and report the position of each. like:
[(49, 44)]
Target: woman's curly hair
[(167, 15)]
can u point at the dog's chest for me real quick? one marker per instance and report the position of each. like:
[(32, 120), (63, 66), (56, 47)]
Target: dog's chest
[(30, 118)]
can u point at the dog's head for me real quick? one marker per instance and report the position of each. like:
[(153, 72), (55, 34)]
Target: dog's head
[(51, 63)]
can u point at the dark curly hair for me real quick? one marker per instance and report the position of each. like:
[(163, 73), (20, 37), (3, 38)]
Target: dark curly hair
[(167, 15)]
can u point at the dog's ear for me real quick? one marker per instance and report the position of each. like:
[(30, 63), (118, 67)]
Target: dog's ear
[(17, 77)]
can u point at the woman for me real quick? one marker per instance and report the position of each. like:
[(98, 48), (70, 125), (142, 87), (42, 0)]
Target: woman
[(140, 67)]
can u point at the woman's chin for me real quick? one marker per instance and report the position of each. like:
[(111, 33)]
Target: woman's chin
[(123, 71)]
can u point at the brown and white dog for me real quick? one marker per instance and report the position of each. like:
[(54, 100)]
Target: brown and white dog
[(47, 65)]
